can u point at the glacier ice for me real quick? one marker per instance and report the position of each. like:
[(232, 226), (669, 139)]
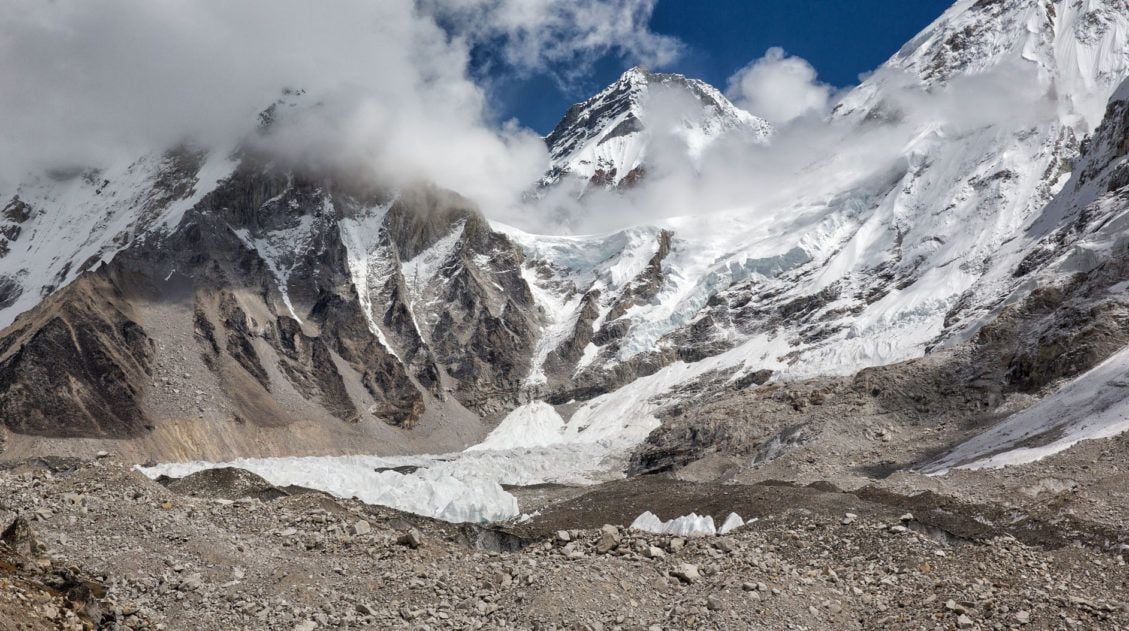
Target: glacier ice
[(433, 490), (731, 523), (692, 525)]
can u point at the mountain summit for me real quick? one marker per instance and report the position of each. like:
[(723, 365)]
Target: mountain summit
[(605, 141)]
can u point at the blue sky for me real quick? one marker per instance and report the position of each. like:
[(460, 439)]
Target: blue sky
[(841, 38)]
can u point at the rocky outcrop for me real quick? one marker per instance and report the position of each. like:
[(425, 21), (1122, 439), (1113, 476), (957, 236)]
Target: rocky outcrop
[(472, 308), (78, 366), (12, 218)]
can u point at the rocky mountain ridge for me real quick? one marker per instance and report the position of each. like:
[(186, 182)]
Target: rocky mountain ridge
[(278, 298)]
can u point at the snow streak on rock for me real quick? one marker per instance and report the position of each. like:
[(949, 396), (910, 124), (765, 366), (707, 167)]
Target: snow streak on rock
[(371, 261)]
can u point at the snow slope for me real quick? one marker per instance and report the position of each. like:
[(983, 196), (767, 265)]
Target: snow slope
[(80, 219), (535, 424), (1095, 405), (978, 120), (1086, 227)]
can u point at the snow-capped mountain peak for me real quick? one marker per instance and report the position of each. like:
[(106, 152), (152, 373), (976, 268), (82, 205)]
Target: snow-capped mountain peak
[(1074, 49), (604, 141)]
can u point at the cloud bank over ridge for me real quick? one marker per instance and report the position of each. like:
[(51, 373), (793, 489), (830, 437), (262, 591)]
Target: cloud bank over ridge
[(87, 84)]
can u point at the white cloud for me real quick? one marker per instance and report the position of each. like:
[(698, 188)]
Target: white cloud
[(779, 88), (87, 82), (560, 37), (812, 160), (82, 83)]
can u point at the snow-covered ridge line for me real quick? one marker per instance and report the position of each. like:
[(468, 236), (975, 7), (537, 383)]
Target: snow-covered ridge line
[(606, 139), (78, 220)]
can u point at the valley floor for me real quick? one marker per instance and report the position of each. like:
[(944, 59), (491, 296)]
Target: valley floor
[(1034, 548)]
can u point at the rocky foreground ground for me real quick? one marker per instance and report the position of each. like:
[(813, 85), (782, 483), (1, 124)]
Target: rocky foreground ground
[(95, 544)]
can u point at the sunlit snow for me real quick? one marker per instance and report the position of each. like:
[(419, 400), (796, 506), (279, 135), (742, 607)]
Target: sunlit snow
[(691, 525), (1094, 405)]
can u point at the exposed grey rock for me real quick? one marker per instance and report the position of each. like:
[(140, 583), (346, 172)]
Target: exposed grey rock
[(20, 537), (607, 543), (687, 573), (411, 539)]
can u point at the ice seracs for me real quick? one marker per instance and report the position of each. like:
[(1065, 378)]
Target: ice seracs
[(731, 523), (691, 525), (434, 490)]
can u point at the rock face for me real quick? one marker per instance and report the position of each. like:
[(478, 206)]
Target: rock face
[(20, 538), (80, 357)]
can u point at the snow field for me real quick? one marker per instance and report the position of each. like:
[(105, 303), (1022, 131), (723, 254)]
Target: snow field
[(1094, 405)]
